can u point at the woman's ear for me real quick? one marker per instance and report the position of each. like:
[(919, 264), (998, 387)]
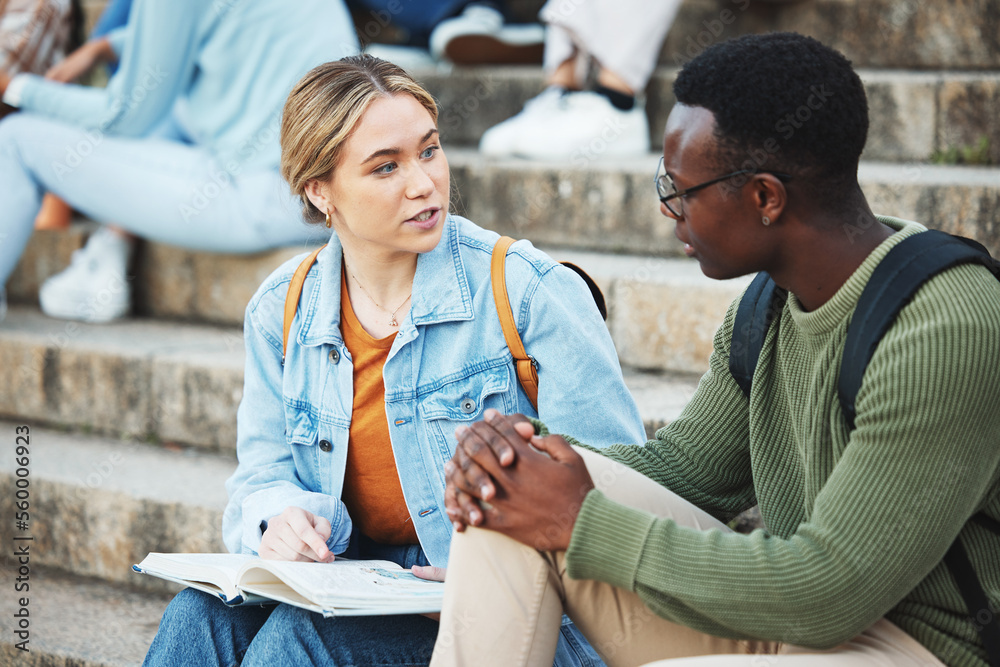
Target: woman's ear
[(317, 192)]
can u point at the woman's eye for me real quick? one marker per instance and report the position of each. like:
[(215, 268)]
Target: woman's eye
[(386, 168), (429, 151)]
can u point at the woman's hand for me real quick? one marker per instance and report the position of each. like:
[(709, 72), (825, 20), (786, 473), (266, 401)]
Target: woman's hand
[(81, 61), (429, 572), (296, 534), (4, 82)]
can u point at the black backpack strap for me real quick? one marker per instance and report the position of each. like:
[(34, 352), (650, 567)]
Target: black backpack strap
[(906, 267), (975, 599), (987, 522), (910, 264), (595, 291), (762, 301)]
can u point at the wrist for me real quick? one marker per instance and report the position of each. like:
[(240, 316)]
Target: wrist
[(102, 51)]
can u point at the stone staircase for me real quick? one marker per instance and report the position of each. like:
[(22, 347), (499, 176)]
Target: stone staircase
[(132, 424)]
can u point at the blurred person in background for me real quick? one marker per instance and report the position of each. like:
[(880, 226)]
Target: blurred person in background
[(464, 32), (34, 34), (621, 41), (180, 148)]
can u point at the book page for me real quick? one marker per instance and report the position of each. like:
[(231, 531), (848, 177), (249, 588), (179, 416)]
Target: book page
[(379, 586), (215, 569)]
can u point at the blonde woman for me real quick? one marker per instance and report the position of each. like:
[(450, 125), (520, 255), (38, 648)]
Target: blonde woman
[(396, 343)]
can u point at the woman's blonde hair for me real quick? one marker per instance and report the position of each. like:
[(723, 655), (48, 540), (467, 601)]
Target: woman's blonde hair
[(323, 110)]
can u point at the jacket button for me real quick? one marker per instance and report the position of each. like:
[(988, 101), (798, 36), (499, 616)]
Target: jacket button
[(334, 356), (468, 406), (325, 445)]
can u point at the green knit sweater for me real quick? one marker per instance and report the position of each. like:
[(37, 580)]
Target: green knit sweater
[(856, 524)]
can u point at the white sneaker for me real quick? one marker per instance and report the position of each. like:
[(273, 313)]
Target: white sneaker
[(585, 127), (95, 287), (499, 140), (479, 36)]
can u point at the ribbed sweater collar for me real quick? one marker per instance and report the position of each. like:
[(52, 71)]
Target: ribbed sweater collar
[(834, 312)]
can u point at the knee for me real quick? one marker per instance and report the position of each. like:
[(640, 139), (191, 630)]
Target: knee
[(12, 127), (475, 541), (188, 607)]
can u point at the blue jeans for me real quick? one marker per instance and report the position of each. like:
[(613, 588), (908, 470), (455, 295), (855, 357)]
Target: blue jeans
[(197, 629), (159, 188), (417, 17)]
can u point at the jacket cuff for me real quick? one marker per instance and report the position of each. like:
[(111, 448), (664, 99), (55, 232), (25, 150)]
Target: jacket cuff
[(607, 541), (116, 38), (15, 89)]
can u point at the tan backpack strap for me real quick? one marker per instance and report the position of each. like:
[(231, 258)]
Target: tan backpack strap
[(292, 298), (525, 365)]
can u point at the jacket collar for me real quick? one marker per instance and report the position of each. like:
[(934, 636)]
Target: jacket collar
[(441, 291)]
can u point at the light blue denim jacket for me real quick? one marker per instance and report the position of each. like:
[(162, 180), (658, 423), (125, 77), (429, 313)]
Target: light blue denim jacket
[(448, 364)]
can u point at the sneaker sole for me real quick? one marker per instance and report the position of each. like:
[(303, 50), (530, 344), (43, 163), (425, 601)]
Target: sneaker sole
[(80, 311), (488, 50)]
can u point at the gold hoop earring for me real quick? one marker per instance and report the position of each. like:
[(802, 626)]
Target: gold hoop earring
[(766, 220), (329, 223)]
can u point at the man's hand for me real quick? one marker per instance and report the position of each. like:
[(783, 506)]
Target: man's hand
[(296, 534), (81, 61), (534, 498), (460, 506)]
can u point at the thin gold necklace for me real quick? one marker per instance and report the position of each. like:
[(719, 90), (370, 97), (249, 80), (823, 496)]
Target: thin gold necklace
[(392, 315)]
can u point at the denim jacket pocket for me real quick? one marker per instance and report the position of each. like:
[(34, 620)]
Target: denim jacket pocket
[(462, 398), (302, 437)]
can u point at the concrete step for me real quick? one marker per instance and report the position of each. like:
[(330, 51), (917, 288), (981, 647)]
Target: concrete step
[(607, 205), (610, 204), (872, 33), (913, 114), (97, 505), (139, 378), (77, 621), (175, 382), (169, 282)]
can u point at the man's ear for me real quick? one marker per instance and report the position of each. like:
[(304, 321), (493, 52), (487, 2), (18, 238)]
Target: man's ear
[(317, 192), (770, 196)]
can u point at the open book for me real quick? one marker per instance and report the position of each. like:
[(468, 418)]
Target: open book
[(341, 588)]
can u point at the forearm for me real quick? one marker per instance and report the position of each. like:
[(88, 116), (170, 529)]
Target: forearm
[(916, 467)]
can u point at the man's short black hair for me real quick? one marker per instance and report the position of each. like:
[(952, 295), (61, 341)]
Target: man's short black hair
[(782, 102)]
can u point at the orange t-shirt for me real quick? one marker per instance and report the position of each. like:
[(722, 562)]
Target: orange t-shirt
[(372, 492)]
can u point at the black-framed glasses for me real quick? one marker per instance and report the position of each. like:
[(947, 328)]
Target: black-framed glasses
[(667, 190)]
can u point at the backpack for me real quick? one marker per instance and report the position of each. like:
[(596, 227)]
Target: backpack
[(525, 364), (906, 267)]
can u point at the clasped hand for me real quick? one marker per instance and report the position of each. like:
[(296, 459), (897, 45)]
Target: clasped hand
[(505, 478)]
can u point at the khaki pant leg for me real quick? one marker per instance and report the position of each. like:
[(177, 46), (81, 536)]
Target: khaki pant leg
[(504, 600), (881, 645)]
